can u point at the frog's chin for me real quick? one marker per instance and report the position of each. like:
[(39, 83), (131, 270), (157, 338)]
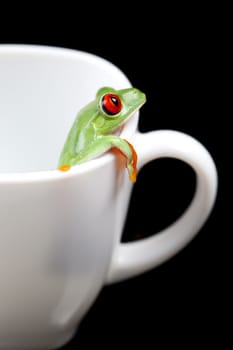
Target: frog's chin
[(118, 131)]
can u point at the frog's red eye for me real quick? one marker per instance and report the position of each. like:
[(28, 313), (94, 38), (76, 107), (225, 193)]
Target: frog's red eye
[(111, 104)]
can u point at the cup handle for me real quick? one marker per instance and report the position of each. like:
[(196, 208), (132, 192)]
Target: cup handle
[(133, 258)]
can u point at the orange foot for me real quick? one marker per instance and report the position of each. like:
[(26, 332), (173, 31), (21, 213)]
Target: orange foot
[(64, 167)]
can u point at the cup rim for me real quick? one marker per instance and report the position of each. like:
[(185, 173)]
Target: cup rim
[(55, 174)]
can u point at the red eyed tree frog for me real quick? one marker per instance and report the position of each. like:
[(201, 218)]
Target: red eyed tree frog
[(94, 130)]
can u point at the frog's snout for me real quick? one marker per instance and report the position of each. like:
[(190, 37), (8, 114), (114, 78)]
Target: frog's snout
[(139, 95), (134, 97)]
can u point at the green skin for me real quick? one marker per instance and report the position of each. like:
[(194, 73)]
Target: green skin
[(92, 132)]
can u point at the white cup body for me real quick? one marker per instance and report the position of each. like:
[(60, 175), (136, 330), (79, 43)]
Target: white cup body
[(57, 229)]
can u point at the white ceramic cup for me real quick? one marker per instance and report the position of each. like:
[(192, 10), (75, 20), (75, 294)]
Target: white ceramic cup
[(60, 233)]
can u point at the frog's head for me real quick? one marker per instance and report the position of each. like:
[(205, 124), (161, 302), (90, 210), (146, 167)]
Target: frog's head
[(116, 106)]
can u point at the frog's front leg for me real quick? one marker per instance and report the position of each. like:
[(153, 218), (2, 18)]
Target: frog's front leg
[(103, 144)]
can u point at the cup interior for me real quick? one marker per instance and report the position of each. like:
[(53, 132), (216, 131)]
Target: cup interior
[(41, 90)]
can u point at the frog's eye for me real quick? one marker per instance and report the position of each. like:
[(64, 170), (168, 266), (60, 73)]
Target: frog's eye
[(111, 104)]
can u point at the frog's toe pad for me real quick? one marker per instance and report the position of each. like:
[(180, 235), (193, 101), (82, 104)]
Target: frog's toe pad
[(133, 176), (64, 167)]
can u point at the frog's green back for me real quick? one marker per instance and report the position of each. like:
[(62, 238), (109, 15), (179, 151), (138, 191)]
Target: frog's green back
[(80, 133)]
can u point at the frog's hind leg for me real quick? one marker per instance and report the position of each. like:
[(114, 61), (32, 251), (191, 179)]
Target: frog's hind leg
[(131, 161)]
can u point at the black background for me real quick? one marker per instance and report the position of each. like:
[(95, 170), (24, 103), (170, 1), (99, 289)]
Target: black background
[(178, 57)]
